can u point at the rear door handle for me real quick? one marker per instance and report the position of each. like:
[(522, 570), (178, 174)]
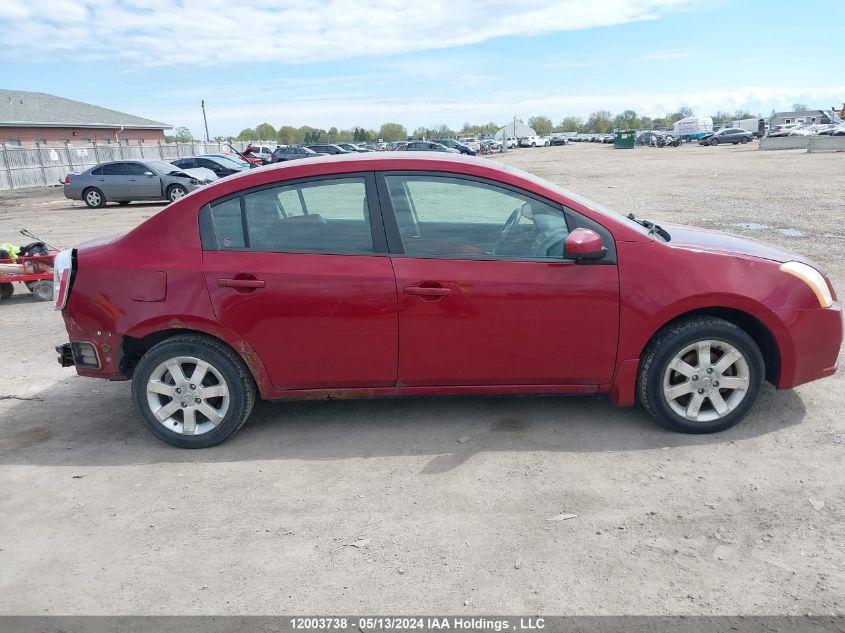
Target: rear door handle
[(241, 283), (423, 291)]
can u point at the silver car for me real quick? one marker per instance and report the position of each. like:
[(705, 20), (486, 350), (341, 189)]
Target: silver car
[(123, 181)]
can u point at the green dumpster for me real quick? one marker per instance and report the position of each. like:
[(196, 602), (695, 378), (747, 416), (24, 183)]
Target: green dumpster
[(625, 139)]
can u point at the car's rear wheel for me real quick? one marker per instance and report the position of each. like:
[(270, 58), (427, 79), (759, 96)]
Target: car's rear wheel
[(175, 192), (94, 198), (42, 290), (700, 375), (192, 391)]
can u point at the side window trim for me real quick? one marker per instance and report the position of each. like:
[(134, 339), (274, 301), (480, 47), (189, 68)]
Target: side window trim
[(378, 231)]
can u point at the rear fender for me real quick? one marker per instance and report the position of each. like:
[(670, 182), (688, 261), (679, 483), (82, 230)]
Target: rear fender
[(184, 324)]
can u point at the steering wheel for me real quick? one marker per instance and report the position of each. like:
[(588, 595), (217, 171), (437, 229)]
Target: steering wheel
[(507, 229)]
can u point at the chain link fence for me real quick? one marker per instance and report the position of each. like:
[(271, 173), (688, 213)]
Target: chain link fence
[(41, 166)]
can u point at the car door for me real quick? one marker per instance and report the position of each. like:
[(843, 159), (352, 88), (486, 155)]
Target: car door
[(140, 184), (113, 181), (300, 271), (485, 294)]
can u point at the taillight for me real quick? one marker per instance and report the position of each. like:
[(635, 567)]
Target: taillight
[(62, 269), (67, 179)]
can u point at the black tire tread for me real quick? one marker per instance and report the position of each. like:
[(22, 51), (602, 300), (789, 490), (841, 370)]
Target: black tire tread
[(649, 357)]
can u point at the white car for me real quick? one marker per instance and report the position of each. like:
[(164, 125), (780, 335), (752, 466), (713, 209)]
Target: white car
[(534, 141), (263, 152), (471, 142)]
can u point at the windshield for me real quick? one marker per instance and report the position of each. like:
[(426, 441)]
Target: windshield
[(593, 206), (162, 167), (231, 159), (227, 163)]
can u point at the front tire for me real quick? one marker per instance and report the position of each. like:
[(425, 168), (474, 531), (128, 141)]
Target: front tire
[(94, 198), (175, 192), (6, 290), (192, 391), (700, 375)]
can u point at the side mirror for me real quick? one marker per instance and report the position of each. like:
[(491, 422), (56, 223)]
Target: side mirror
[(583, 244), (149, 173)]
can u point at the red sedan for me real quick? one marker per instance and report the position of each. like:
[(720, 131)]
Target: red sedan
[(392, 274)]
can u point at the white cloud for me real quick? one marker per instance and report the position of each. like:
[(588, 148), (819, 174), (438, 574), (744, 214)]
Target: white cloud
[(207, 32), (501, 106)]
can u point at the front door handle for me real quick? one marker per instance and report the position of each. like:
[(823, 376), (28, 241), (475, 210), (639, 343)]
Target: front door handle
[(241, 283)]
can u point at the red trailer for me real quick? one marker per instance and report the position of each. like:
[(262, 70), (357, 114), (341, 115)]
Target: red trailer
[(34, 272)]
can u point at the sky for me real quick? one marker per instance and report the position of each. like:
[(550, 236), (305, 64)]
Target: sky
[(348, 63)]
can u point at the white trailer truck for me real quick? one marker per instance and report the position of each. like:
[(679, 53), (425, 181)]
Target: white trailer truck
[(693, 127)]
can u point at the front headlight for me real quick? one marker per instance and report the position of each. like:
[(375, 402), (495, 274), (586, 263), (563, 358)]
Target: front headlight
[(812, 278)]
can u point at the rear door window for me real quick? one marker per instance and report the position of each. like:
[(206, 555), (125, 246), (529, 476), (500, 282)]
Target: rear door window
[(114, 169), (329, 216)]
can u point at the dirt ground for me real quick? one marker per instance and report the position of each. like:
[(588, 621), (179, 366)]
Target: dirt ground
[(387, 507)]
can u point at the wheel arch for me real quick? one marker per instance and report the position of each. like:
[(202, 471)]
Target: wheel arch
[(750, 324), (140, 340)]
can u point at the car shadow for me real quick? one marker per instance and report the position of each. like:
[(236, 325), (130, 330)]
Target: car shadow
[(85, 422)]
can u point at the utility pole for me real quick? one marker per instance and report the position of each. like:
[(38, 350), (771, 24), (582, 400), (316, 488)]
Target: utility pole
[(207, 139)]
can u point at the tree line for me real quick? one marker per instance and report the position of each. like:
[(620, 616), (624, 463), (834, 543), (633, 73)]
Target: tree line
[(600, 121)]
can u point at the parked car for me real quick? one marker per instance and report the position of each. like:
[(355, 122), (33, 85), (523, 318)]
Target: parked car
[(220, 166), (732, 135), (328, 148), (123, 181), (534, 141), (470, 141), (283, 281), (489, 145), (233, 158), (283, 154), (559, 140), (460, 147), (425, 146), (646, 138), (351, 147)]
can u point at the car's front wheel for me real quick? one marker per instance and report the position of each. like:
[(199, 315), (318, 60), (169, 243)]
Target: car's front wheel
[(700, 375), (175, 192), (192, 391), (713, 141)]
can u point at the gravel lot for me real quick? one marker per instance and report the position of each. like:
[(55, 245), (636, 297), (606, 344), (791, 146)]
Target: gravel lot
[(443, 505)]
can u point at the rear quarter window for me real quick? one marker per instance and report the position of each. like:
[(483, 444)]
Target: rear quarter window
[(228, 224)]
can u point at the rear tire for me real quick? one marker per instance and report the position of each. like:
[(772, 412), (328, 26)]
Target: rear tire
[(6, 290), (42, 290), (94, 198), (700, 375), (158, 395)]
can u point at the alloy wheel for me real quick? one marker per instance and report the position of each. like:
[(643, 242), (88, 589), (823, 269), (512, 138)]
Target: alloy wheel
[(187, 395), (706, 380)]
